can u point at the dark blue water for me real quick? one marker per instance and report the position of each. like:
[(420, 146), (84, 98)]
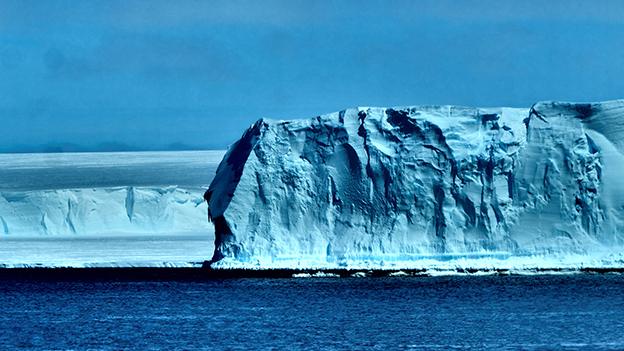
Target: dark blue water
[(545, 312)]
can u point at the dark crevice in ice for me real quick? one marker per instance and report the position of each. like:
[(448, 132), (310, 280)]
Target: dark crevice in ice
[(129, 203), (224, 233), (439, 220), (68, 219), (5, 226), (364, 134)]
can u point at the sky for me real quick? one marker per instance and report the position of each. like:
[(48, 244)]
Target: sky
[(159, 75)]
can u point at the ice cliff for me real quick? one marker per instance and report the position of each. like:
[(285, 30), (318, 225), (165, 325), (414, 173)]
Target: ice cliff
[(101, 212), (425, 186), (97, 195)]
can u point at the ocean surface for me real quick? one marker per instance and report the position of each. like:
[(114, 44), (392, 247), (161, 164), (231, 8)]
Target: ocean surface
[(565, 312)]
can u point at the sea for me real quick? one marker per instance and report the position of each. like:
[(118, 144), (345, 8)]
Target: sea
[(535, 312)]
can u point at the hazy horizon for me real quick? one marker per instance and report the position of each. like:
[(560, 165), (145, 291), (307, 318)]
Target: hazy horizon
[(192, 75)]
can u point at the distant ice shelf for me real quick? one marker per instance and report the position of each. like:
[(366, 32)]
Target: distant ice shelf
[(425, 187), (105, 209)]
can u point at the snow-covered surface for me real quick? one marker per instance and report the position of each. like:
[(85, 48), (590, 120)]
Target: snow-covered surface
[(107, 169), (140, 250), (105, 209), (436, 187)]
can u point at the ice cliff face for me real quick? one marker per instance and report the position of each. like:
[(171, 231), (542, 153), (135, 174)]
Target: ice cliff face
[(421, 186), (97, 195), (101, 212)]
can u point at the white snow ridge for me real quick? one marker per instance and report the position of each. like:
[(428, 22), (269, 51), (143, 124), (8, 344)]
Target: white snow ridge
[(425, 187)]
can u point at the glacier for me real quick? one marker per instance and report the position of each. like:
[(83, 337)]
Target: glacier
[(426, 187), (105, 209)]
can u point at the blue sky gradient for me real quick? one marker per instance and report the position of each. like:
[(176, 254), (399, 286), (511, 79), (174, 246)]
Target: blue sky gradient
[(144, 75)]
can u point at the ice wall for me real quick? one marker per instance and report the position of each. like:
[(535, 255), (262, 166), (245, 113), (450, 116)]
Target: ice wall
[(95, 195), (424, 186), (102, 212)]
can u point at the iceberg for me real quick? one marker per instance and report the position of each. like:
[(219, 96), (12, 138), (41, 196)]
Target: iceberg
[(425, 187)]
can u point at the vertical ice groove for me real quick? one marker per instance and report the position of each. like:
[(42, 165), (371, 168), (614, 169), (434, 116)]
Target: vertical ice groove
[(5, 226), (129, 203), (68, 218), (43, 223)]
